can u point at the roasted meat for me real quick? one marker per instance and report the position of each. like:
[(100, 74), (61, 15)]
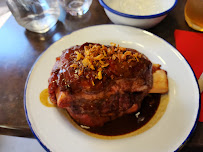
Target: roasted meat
[(98, 83)]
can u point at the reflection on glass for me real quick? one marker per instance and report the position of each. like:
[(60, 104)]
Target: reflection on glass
[(76, 7)]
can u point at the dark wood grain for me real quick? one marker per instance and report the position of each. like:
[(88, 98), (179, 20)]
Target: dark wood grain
[(20, 48)]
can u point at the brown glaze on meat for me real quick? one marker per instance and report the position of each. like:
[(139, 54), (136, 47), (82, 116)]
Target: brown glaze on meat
[(102, 85), (130, 122)]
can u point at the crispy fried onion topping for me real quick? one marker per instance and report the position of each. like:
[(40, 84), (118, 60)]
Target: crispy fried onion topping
[(96, 57)]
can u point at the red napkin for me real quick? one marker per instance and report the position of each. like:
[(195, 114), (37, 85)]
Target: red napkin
[(190, 45)]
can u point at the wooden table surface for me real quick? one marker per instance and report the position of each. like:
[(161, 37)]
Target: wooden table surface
[(20, 48)]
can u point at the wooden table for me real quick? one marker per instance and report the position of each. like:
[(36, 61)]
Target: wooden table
[(20, 48)]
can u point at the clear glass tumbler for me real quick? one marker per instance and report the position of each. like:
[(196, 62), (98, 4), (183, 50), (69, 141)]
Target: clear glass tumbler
[(35, 15), (76, 7), (194, 14)]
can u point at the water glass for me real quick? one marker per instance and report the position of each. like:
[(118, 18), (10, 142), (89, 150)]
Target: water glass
[(76, 7), (35, 15), (194, 14)]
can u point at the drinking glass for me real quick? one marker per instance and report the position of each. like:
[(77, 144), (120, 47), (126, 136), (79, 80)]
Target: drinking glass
[(35, 15), (194, 14), (76, 7)]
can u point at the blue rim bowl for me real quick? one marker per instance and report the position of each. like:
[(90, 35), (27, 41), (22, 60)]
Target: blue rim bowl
[(137, 16)]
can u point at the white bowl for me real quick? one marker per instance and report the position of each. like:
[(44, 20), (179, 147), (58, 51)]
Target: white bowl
[(140, 13)]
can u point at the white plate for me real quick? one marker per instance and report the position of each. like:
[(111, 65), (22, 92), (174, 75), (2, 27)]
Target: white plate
[(56, 133)]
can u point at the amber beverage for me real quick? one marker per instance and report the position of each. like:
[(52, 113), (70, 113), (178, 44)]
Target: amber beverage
[(194, 14)]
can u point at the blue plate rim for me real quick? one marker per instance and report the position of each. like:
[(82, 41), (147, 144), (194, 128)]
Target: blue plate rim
[(27, 80), (25, 106)]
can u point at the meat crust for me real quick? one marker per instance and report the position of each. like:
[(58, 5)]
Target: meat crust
[(98, 83)]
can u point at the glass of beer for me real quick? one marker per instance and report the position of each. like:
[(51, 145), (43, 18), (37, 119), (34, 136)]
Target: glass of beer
[(194, 14)]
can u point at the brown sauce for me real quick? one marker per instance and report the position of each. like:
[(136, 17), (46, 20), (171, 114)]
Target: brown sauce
[(131, 122), (152, 109), (44, 98)]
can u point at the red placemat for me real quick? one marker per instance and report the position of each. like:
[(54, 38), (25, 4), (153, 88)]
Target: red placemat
[(190, 45)]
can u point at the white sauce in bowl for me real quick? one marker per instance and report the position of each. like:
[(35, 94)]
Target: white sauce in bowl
[(140, 7)]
